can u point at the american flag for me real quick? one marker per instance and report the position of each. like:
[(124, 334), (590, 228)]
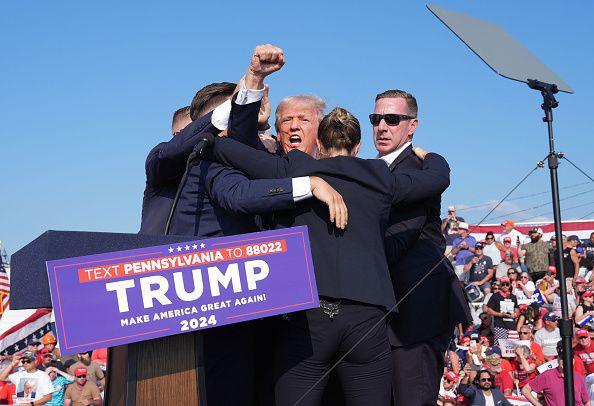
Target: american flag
[(4, 288), (31, 328)]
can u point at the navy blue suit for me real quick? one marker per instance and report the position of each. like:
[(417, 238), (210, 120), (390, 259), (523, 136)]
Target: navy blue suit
[(164, 167), (427, 312), (217, 200), (349, 265)]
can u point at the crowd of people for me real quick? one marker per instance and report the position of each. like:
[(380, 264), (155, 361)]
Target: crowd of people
[(513, 347), (39, 375)]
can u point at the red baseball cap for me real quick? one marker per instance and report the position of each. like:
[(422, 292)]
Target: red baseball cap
[(451, 375), (507, 239), (579, 279), (504, 279), (80, 371), (588, 293), (552, 270), (582, 333)]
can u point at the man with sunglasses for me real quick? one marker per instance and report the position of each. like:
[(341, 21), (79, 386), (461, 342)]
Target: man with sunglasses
[(503, 306), (34, 387), (429, 307), (82, 392), (484, 391), (525, 333)]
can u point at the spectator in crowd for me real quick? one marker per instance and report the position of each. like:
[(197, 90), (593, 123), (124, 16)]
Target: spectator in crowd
[(548, 283), (476, 352), (483, 391), (447, 386), (523, 287), (94, 372), (33, 345), (59, 380), (585, 310), (571, 259), (508, 262), (525, 333), (553, 298), (100, 356), (550, 385), (484, 329), (536, 254), (510, 232), (507, 246), (589, 252), (49, 343), (32, 385), (579, 287), (585, 350), (548, 336), (503, 306), (524, 365), (83, 391), (47, 360), (462, 249), (480, 269), (490, 248), (450, 224), (501, 370)]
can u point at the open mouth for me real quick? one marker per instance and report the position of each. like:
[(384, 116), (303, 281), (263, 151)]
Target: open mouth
[(295, 140)]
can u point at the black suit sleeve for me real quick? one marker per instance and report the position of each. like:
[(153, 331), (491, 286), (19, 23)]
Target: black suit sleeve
[(255, 163), (167, 162), (415, 185), (405, 232)]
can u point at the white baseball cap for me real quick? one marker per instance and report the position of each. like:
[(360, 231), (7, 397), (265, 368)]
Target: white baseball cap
[(463, 225)]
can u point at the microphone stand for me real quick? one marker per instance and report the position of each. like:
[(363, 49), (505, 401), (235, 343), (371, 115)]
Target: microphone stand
[(565, 327)]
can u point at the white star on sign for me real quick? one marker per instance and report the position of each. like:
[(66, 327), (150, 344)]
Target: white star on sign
[(179, 248), (187, 247), (194, 246), (170, 249), (202, 245), (16, 347)]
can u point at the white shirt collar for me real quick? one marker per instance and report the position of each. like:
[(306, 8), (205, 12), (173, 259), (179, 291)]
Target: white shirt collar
[(391, 157)]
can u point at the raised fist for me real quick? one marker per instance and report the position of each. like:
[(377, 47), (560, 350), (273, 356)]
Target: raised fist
[(265, 60)]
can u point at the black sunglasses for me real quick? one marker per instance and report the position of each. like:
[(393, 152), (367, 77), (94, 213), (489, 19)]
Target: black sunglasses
[(485, 379), (81, 376), (27, 361), (504, 284), (391, 119)]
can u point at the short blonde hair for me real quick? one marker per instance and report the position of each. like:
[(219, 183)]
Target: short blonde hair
[(314, 102)]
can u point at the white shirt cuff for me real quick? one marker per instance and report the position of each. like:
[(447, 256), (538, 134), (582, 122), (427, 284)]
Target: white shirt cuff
[(220, 115), (247, 96), (301, 188)]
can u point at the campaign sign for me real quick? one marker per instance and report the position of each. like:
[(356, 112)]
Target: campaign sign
[(121, 297)]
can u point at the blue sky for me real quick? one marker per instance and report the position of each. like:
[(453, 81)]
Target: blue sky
[(88, 88)]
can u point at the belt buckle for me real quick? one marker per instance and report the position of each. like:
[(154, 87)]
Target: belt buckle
[(330, 308)]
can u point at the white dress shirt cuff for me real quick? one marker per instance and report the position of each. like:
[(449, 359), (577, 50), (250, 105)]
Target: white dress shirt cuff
[(247, 96), (301, 188), (220, 115)]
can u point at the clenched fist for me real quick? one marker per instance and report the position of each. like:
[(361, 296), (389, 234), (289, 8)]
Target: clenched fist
[(265, 60)]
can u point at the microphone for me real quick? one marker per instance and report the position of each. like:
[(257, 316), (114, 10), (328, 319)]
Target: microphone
[(200, 148), (195, 156)]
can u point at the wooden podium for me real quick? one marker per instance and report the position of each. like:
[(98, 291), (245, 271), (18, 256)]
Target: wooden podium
[(165, 371)]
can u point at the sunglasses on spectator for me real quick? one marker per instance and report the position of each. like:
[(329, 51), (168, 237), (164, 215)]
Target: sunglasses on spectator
[(504, 284), (485, 379), (81, 376), (27, 361), (511, 273), (525, 332), (490, 238), (581, 338), (391, 119)]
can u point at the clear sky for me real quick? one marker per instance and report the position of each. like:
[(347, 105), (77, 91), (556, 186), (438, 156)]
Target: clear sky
[(88, 88)]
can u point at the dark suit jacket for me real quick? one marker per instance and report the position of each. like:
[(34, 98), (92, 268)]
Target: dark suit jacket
[(218, 200), (414, 246), (164, 167), (350, 264)]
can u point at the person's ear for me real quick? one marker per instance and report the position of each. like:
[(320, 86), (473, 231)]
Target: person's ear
[(356, 149)]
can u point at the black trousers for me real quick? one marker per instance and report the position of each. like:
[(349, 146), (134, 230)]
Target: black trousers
[(229, 363), (418, 369), (308, 343)]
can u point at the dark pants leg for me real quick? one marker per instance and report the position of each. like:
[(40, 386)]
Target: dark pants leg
[(417, 371), (310, 343), (229, 365)]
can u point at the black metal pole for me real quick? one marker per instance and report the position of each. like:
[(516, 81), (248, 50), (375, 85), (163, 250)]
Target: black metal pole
[(565, 326)]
